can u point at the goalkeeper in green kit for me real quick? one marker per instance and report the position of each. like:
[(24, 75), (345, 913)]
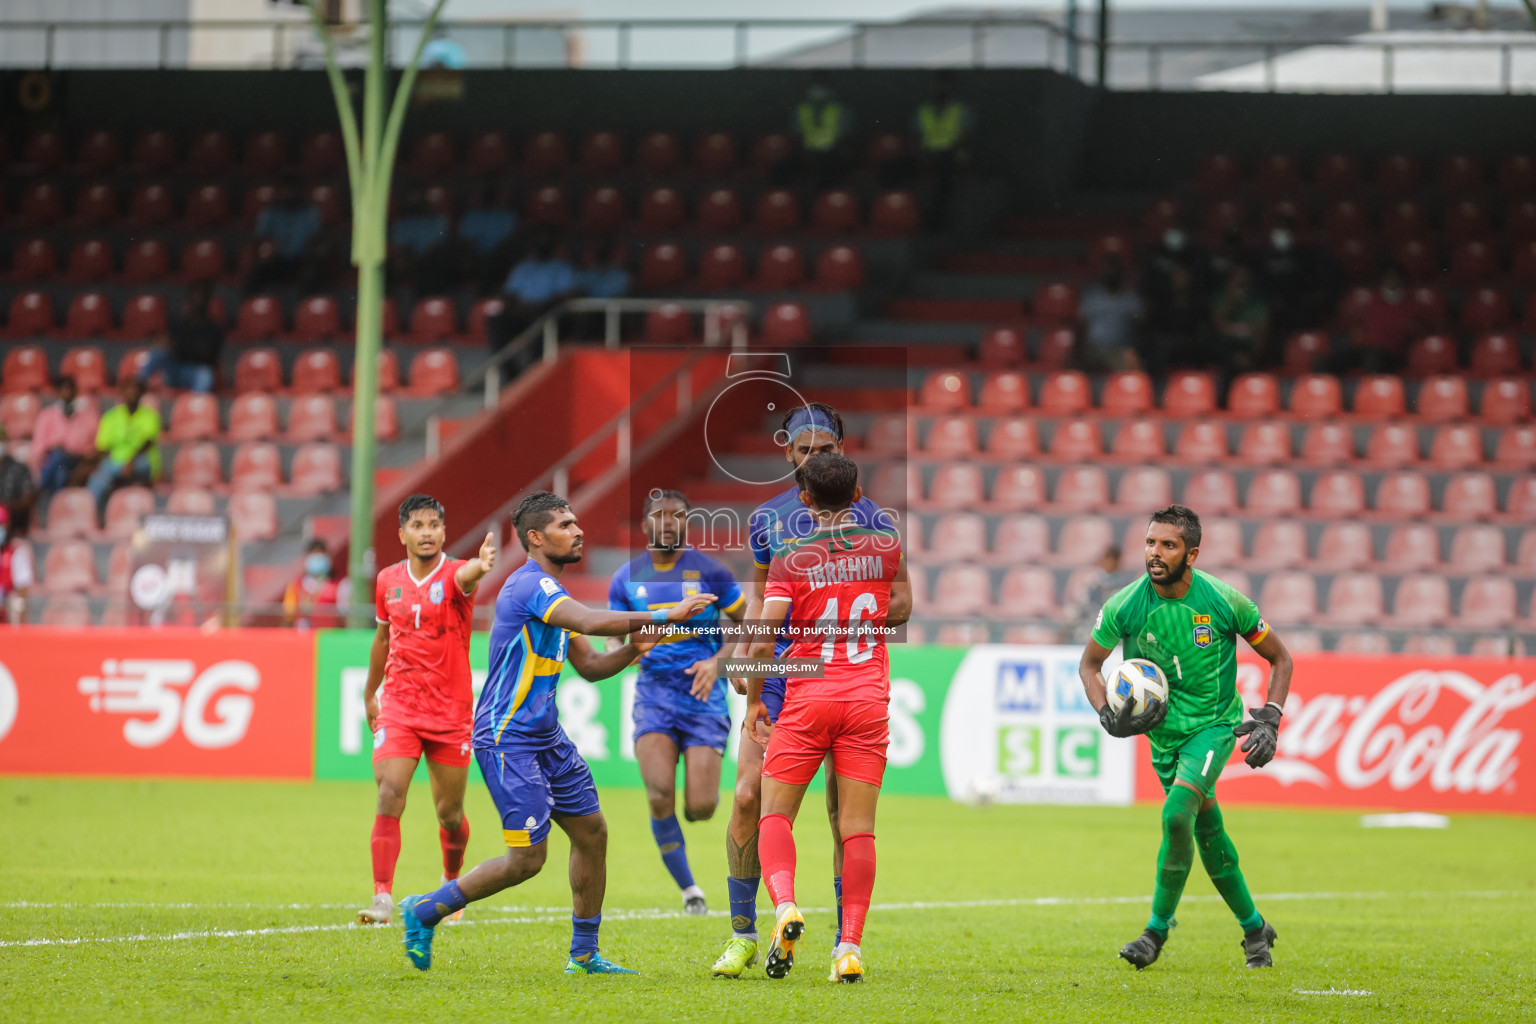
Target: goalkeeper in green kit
[(1187, 623)]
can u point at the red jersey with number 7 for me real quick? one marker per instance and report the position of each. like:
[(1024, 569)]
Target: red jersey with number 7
[(427, 675), (838, 582)]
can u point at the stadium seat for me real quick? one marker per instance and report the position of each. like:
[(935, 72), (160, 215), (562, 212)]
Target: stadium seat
[(1003, 391), (1520, 506), (719, 211), (1254, 396), (1403, 495), (31, 315), (258, 369), (1456, 447), (835, 212), (1018, 488), (146, 261), (434, 372), (1201, 441), (894, 485), (1327, 444), (89, 316), (71, 513), (266, 152), (1027, 592), (317, 318), (433, 321), (1265, 443), (34, 260), (891, 434), (1304, 351), (1211, 492), (1081, 489), (253, 515), (714, 154), (1189, 394), (602, 153), (1002, 348), (150, 205), (722, 268), (661, 209), (840, 268), (1478, 548), (431, 154), (668, 324), (311, 418), (26, 369), (958, 538), (257, 466), (1273, 492), (1127, 393), (1316, 396), (209, 152), (197, 465), (1344, 545), (951, 437), (1516, 448), (1337, 493), (1520, 220), (1013, 438), (1221, 545), (664, 267), (1428, 305), (545, 153), (1442, 398), (777, 211), (18, 413), (1485, 309), (1363, 641), (1469, 496), (1222, 218), (89, 260), (1056, 348), (1345, 219), (1144, 489), (1139, 440), (260, 319), (386, 419), (1083, 540), (961, 590), (1354, 599), (786, 323), (1500, 645), (1055, 303), (1357, 260), (1077, 440), (328, 200), (41, 204), (894, 213), (1065, 393), (780, 267), (1432, 354), (1398, 172), (253, 417), (1404, 221), (207, 206), (1412, 547), (131, 364), (1218, 173), (194, 417), (1289, 598), (70, 567), (1458, 172), (602, 211), (488, 153), (547, 206), (1023, 538), (956, 486), (1488, 603), (1277, 172), (125, 509), (945, 391), (658, 153), (316, 371), (99, 152), (1473, 261), (1495, 355), (316, 469), (190, 501), (1392, 445), (202, 260), (1380, 396)]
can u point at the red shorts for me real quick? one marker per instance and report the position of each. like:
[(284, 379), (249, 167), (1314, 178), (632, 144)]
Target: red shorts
[(855, 733), (395, 737)]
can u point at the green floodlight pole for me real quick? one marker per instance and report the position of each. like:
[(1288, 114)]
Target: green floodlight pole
[(370, 164)]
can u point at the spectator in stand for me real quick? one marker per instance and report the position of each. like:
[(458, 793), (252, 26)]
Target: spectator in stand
[(419, 249), (943, 126), (541, 280), (63, 438), (314, 600), (18, 492), (1174, 295), (822, 125), (485, 234), (1110, 319), (189, 351), (1104, 583), (1239, 325), (1228, 254), (1296, 279), (287, 234), (1381, 330), (604, 276), (127, 445), (16, 577)]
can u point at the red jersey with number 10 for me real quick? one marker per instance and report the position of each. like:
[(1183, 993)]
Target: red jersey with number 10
[(838, 581), (427, 675)]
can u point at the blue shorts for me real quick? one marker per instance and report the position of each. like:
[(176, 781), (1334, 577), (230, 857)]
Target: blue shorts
[(687, 729), (528, 786), (773, 697)]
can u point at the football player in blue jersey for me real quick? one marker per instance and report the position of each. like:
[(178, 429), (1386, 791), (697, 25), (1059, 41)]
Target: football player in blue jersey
[(805, 431), (679, 706), (534, 772)]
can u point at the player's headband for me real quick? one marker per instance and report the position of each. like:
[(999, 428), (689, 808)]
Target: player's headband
[(806, 418)]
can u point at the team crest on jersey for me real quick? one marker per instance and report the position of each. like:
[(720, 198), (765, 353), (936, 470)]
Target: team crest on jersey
[(392, 594), (690, 574), (1203, 634), (435, 592)]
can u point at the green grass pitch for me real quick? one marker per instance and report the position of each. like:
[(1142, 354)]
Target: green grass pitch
[(156, 901)]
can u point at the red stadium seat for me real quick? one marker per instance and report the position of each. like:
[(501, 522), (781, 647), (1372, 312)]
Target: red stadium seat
[(1022, 538), (1139, 440), (150, 205), (18, 413), (1201, 441), (1456, 447), (1002, 347), (956, 485), (958, 538), (253, 417), (720, 211), (154, 150), (1397, 173), (1065, 393), (1189, 394), (321, 154), (1018, 488), (317, 318), (1278, 544), (100, 152), (1355, 599), (1223, 218), (1337, 172), (1428, 304), (1485, 309), (1403, 221), (962, 590), (194, 417), (603, 210), (722, 268), (1289, 598), (1403, 495), (34, 260), (1392, 445), (1442, 398), (207, 206), (1077, 440), (432, 154), (143, 318), (188, 501), (386, 419), (1418, 258), (1465, 220), (602, 153), (131, 364), (1304, 351), (1345, 219), (1265, 443), (257, 467), (662, 267), (31, 315), (1521, 503), (95, 205), (1458, 172), (1337, 494), (945, 391), (786, 323), (433, 320), (42, 203), (1516, 448), (1254, 396), (258, 370), (1128, 393), (69, 568), (891, 485), (777, 210), (1488, 603), (668, 325), (1432, 354), (1081, 489), (480, 315), (951, 437), (1056, 348), (661, 209), (840, 268), (1218, 173), (266, 152), (146, 261), (1413, 547), (316, 469), (71, 513), (891, 434), (548, 206), (1472, 496), (1056, 303), (1083, 540), (197, 465), (125, 510), (894, 213), (434, 372), (316, 371), (311, 418), (89, 316), (1474, 261), (714, 154), (779, 267), (1344, 545), (1478, 549), (1380, 396), (1525, 552), (1496, 355), (253, 515), (1277, 172), (886, 148), (1013, 438), (488, 153), (90, 260), (1273, 492), (545, 153), (26, 369), (1220, 546), (1363, 641), (202, 260), (209, 153), (1027, 592), (1358, 261), (835, 212), (1144, 489)]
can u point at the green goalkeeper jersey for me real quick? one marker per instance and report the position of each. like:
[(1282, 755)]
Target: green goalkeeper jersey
[(1193, 639)]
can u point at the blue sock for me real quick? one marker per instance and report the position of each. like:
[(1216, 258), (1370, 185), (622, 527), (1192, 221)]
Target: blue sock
[(435, 906), (837, 892), (584, 936), (743, 905), (674, 851)]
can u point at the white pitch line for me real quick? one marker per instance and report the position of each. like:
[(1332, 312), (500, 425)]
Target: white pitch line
[(1333, 992), (555, 915)]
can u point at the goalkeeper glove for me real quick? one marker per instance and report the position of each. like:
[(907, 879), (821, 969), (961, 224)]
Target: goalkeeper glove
[(1262, 730), (1123, 723)]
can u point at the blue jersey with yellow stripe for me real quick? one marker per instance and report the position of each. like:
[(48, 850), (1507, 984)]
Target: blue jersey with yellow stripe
[(642, 585), (517, 709)]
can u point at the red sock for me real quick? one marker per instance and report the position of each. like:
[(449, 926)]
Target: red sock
[(386, 850), (776, 852), (453, 848), (858, 883)]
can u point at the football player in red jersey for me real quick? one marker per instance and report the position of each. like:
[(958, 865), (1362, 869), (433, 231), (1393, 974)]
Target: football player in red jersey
[(843, 585), (426, 704)]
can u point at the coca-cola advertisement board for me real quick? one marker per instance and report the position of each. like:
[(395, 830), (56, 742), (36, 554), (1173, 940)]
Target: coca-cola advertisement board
[(232, 703), (1397, 732)]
